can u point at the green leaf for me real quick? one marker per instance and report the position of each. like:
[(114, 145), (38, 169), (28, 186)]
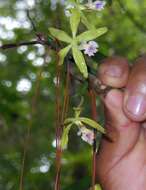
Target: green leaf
[(80, 61), (64, 138), (62, 54), (69, 120), (60, 35), (74, 21), (91, 34), (97, 187), (92, 123), (78, 123), (85, 21)]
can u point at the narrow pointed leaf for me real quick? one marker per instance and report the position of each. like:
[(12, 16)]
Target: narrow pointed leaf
[(64, 138), (92, 123), (62, 54), (60, 35), (85, 21), (74, 21), (80, 61), (78, 123), (69, 120), (91, 34)]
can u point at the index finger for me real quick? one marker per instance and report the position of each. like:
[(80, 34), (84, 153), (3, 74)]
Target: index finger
[(135, 94)]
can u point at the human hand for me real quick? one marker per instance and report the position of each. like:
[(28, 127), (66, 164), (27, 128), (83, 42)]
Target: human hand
[(121, 164)]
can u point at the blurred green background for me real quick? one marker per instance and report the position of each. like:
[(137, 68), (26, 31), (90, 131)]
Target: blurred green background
[(19, 68)]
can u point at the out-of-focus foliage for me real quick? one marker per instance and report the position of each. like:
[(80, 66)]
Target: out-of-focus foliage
[(19, 68)]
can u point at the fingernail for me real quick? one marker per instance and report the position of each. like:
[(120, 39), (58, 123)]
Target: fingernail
[(136, 104), (114, 71)]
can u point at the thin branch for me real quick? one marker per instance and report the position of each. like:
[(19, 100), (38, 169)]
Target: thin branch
[(94, 147), (31, 21), (33, 110), (39, 36), (30, 123), (35, 42), (94, 81), (15, 45)]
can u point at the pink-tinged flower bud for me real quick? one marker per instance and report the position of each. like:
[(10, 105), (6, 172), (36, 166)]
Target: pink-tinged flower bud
[(86, 135)]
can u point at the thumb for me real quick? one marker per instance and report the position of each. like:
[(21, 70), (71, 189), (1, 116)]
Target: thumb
[(115, 117), (120, 129), (118, 125)]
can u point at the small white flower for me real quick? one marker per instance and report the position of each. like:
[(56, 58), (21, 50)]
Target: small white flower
[(86, 135), (67, 13), (70, 6), (89, 48)]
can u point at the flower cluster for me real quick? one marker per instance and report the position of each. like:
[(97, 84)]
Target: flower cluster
[(90, 48), (96, 5), (86, 135)]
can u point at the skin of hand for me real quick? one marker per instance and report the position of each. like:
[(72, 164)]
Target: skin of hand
[(121, 164)]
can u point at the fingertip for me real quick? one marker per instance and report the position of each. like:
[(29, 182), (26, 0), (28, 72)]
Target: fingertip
[(135, 93), (114, 71), (135, 105), (114, 110), (114, 98)]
